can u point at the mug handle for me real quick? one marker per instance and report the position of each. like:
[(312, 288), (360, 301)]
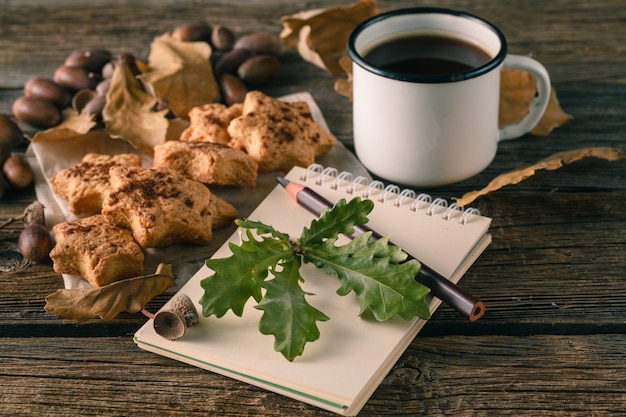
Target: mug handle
[(539, 103)]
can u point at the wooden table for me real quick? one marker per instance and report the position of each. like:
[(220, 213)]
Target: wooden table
[(553, 280)]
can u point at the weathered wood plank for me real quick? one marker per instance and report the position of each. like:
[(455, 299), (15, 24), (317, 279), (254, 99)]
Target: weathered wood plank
[(496, 375)]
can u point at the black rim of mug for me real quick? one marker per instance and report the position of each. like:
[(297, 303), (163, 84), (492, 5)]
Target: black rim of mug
[(444, 78)]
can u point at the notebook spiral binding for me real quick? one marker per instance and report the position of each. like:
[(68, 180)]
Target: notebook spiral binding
[(391, 192)]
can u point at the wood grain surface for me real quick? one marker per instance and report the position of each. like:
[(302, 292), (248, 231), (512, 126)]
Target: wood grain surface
[(553, 338)]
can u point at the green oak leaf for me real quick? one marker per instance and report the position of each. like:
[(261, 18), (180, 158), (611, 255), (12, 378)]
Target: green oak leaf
[(374, 272), (286, 313), (377, 272), (341, 219), (261, 228), (235, 278)]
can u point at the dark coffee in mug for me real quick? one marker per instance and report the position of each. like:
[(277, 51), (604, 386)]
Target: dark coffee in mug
[(425, 54)]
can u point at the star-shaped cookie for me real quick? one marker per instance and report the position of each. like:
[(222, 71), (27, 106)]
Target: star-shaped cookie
[(278, 135), (163, 207)]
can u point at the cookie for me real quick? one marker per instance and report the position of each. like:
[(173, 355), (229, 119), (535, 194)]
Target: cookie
[(209, 123), (278, 135), (209, 163), (162, 207), (96, 250), (86, 184)]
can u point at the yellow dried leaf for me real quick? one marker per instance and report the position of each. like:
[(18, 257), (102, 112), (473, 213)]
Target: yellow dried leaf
[(550, 163), (181, 74), (321, 35), (517, 91), (128, 113), (552, 118), (73, 124), (107, 302), (343, 86)]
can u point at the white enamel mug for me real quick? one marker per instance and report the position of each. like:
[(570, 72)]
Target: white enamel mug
[(433, 130)]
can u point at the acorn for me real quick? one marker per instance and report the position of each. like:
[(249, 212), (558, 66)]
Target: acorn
[(35, 242), (47, 89), (17, 171), (36, 112), (10, 132), (193, 32)]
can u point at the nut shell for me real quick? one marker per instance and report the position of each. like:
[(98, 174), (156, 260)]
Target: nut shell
[(173, 322)]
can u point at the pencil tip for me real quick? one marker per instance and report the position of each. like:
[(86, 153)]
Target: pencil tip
[(282, 181)]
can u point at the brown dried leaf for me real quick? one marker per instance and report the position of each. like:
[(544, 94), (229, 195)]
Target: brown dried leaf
[(552, 118), (517, 91), (321, 35), (107, 302), (343, 86), (73, 124), (68, 134), (129, 115), (181, 74), (550, 163)]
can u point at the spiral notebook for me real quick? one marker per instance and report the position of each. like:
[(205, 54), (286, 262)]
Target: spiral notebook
[(340, 371)]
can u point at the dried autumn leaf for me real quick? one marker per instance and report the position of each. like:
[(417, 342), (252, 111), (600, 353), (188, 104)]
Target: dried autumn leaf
[(129, 115), (553, 117), (550, 163), (181, 74), (517, 91), (107, 302), (343, 86), (73, 124), (321, 35)]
